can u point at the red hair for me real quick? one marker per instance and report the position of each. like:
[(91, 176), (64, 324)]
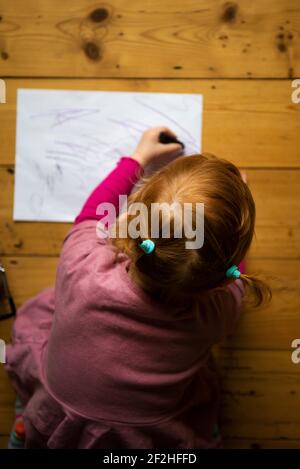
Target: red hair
[(174, 274)]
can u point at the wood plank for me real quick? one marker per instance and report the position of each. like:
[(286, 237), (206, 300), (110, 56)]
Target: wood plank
[(271, 412), (28, 275), (7, 403), (239, 364), (251, 123), (157, 39), (260, 395), (281, 317), (3, 441), (277, 225)]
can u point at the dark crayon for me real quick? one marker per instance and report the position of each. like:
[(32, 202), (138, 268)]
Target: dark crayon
[(166, 138)]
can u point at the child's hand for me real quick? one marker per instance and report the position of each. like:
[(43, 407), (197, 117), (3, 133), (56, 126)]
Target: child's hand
[(149, 147)]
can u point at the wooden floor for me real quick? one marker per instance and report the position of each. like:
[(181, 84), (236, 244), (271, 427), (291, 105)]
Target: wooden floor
[(241, 56)]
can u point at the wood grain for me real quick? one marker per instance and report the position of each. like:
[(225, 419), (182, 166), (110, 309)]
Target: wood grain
[(194, 38), (3, 441), (252, 123), (260, 395), (7, 400)]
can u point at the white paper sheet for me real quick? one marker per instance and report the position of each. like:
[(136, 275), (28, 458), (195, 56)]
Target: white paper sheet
[(67, 141)]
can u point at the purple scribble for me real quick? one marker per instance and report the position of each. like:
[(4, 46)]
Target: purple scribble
[(77, 149), (96, 141), (61, 116), (188, 139), (130, 124), (58, 156)]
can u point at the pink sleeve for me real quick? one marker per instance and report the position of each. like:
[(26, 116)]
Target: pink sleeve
[(119, 182), (222, 307), (225, 308), (237, 290)]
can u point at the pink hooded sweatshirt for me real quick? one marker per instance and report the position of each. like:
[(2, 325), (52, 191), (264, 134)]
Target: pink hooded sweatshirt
[(98, 363)]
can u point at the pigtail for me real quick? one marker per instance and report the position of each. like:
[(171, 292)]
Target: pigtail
[(258, 292)]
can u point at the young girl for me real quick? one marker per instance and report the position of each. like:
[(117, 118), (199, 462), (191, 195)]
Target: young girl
[(118, 354)]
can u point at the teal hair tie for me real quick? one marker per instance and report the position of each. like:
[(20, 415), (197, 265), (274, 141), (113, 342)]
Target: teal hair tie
[(233, 272), (147, 246)]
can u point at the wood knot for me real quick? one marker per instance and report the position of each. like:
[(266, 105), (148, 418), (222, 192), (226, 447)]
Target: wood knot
[(281, 46), (4, 55), (19, 244), (91, 51), (98, 15), (229, 12), (284, 39)]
